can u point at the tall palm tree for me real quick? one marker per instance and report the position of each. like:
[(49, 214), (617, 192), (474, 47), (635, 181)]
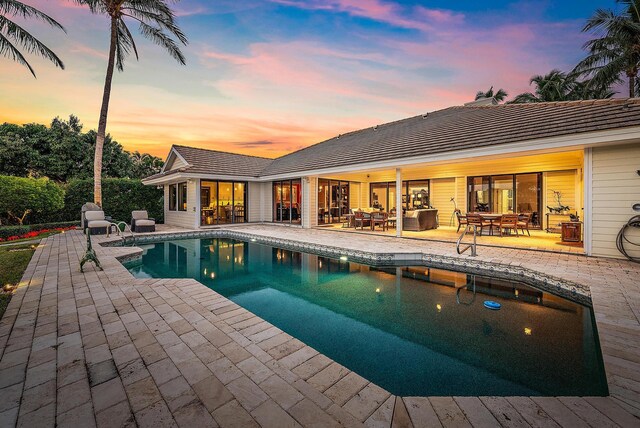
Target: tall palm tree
[(13, 37), (616, 50), (157, 23), (499, 95), (559, 86)]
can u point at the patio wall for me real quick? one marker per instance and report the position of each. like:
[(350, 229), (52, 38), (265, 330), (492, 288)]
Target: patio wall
[(615, 188)]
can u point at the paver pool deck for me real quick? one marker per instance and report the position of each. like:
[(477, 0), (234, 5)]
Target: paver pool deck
[(102, 348)]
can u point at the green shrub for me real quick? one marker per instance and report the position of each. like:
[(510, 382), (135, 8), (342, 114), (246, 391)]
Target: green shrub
[(22, 198), (7, 231), (120, 197)]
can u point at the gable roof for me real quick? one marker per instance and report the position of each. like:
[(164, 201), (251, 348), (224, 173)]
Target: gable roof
[(441, 131), (204, 161), (459, 128)]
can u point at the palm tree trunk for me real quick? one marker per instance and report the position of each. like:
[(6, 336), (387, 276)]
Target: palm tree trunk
[(632, 86), (102, 123)]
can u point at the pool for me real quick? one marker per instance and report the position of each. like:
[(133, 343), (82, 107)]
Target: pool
[(412, 330)]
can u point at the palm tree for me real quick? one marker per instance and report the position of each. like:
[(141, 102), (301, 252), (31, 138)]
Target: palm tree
[(559, 86), (499, 96), (616, 52), (13, 36), (157, 23)]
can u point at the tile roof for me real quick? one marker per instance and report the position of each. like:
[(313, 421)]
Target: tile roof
[(447, 130), (204, 161), (459, 128)]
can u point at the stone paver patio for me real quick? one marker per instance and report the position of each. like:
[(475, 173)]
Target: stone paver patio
[(105, 349)]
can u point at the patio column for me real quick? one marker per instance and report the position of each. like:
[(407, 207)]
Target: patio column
[(399, 194)]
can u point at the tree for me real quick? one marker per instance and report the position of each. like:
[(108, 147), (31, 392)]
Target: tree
[(13, 37), (559, 86), (616, 50), (157, 23), (499, 96), (21, 196)]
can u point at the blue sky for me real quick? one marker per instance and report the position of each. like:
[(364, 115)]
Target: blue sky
[(271, 76)]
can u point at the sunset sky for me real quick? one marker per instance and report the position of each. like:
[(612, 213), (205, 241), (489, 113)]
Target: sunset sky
[(267, 77)]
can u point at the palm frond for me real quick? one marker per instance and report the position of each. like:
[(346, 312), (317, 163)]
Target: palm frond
[(160, 38), (7, 49), (16, 8), (28, 42)]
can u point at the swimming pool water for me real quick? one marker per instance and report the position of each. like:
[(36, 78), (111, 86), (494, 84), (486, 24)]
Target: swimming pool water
[(411, 330)]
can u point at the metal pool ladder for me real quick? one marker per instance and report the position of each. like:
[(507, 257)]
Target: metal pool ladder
[(472, 245)]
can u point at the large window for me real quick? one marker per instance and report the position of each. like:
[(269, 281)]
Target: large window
[(509, 193), (333, 200), (222, 202), (173, 197), (182, 196), (415, 195), (287, 201)]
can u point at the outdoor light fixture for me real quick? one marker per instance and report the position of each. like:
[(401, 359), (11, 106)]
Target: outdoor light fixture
[(527, 331), (378, 290), (439, 307), (343, 258), (253, 239)]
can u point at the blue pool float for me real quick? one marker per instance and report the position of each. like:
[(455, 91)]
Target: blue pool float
[(490, 304)]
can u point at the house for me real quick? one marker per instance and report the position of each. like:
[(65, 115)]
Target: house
[(516, 158)]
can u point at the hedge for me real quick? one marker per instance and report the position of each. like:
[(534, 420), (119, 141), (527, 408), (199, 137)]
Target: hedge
[(7, 231), (120, 197)]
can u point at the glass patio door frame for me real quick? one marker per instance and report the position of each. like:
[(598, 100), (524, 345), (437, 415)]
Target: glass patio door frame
[(390, 187), (279, 211), (490, 179), (218, 206), (342, 200)]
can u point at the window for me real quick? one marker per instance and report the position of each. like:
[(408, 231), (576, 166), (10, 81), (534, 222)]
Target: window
[(223, 202), (172, 197), (182, 196)]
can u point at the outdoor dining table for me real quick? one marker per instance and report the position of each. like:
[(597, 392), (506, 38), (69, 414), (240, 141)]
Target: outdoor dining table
[(491, 218)]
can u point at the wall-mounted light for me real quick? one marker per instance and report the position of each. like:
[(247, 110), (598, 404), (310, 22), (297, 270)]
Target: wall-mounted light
[(527, 331)]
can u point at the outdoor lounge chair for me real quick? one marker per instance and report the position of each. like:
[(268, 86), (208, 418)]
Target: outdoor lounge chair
[(96, 223), (378, 218), (140, 222)]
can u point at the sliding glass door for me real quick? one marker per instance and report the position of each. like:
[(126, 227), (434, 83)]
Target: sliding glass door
[(333, 200), (222, 202), (287, 201), (508, 193), (415, 195)]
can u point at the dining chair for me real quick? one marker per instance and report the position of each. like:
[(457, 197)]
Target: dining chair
[(476, 220), (524, 219), (380, 218), (508, 222), (361, 218), (462, 219)]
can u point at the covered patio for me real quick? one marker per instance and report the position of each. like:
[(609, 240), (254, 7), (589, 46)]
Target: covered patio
[(543, 189)]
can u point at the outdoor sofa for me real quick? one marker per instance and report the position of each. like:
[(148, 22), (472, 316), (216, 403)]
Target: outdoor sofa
[(421, 219)]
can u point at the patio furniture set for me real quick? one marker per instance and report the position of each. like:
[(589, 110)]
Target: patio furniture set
[(415, 220), (503, 223), (99, 224)]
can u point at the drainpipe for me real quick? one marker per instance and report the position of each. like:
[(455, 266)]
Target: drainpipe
[(399, 193)]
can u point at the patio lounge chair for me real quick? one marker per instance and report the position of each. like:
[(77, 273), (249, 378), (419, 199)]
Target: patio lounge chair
[(418, 220), (140, 222), (96, 222)]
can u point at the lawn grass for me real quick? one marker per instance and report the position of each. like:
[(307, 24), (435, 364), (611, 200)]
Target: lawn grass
[(13, 262)]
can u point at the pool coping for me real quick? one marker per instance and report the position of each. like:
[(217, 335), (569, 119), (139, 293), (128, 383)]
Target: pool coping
[(573, 291)]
